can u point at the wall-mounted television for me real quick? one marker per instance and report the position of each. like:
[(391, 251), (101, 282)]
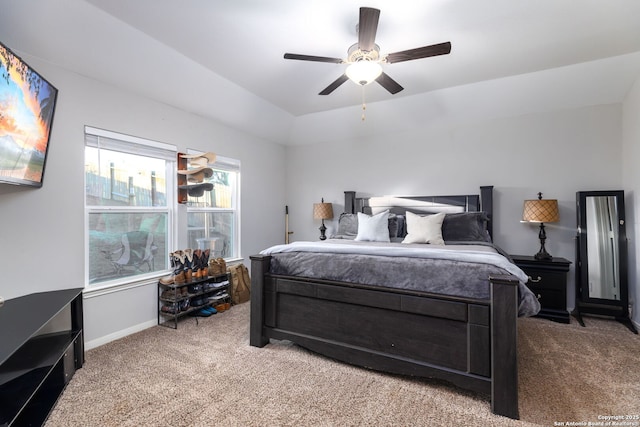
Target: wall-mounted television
[(27, 104)]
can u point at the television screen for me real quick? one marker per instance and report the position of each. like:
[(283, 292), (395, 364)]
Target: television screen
[(27, 104)]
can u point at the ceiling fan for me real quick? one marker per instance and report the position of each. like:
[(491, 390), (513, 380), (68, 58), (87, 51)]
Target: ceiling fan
[(364, 57)]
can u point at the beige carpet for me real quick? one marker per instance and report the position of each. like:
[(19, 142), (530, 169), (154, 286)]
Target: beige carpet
[(207, 374)]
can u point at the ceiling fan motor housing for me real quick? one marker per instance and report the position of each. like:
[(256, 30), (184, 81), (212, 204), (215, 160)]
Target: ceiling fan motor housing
[(355, 54)]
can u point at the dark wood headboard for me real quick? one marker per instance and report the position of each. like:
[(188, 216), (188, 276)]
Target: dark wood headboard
[(424, 204)]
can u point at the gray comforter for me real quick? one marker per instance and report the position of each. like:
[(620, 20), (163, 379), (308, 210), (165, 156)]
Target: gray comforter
[(458, 270)]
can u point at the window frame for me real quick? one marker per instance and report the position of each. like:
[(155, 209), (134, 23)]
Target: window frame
[(229, 165), (131, 145)]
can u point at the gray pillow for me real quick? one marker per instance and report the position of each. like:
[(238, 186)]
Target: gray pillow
[(347, 225), (465, 226)]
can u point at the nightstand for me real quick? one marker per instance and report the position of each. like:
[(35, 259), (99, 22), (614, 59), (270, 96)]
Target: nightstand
[(548, 281)]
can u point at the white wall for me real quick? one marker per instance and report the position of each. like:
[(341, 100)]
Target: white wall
[(557, 153), (444, 142), (42, 230), (631, 178)]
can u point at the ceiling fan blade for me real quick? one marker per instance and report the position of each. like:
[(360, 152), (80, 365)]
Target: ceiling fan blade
[(367, 28), (333, 86), (313, 58), (420, 52), (389, 84)]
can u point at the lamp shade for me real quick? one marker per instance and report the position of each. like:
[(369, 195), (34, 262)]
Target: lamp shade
[(541, 210), (322, 211), (364, 72)]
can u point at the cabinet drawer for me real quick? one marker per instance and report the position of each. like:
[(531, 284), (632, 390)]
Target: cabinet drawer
[(546, 279), (553, 298)]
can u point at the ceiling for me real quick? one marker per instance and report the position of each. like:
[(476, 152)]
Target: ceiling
[(244, 40), (193, 54)]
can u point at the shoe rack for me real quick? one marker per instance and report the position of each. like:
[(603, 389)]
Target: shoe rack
[(190, 298)]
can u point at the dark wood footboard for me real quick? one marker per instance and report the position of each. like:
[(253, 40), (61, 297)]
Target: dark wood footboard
[(468, 342)]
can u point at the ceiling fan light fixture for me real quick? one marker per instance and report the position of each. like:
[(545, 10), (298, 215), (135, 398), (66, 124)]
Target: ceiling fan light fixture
[(364, 72)]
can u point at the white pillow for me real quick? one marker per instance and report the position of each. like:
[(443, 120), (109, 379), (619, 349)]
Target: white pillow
[(373, 228), (424, 229)]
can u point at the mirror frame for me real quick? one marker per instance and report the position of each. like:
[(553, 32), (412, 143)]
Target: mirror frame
[(584, 303)]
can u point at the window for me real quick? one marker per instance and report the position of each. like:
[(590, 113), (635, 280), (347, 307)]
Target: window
[(129, 199), (213, 217)]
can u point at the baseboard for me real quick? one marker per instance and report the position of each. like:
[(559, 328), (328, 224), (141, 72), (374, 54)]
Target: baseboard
[(88, 345)]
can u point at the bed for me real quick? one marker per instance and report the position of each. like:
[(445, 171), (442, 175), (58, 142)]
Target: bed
[(398, 310)]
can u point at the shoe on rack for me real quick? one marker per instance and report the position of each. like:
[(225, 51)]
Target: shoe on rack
[(171, 294), (197, 256), (199, 313), (197, 301), (194, 289), (210, 309), (204, 263), (177, 265), (203, 313), (188, 264), (214, 268), (220, 284), (171, 308)]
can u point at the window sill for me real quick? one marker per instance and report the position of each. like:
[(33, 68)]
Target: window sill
[(92, 291)]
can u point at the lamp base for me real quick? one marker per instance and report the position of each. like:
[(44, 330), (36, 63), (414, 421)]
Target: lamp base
[(323, 229), (542, 254)]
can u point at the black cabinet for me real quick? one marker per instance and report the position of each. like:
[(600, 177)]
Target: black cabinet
[(548, 281), (178, 300), (41, 347)]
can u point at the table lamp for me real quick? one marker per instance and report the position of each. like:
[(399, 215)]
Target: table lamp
[(322, 211), (541, 211)]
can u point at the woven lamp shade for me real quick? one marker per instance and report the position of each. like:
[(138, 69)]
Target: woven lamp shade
[(541, 210), (322, 211)]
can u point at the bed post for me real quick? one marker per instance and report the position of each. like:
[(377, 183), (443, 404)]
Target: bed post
[(259, 266), (486, 205), (350, 202), (504, 350)]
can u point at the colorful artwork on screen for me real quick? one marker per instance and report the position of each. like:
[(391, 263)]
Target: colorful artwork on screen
[(27, 104)]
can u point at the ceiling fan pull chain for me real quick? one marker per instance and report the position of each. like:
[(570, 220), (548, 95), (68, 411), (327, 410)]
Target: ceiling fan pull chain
[(364, 106)]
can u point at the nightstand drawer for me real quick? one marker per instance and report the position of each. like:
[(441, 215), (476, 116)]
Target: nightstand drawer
[(545, 279), (552, 298)]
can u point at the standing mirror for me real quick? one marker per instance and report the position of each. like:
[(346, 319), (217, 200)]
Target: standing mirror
[(601, 257)]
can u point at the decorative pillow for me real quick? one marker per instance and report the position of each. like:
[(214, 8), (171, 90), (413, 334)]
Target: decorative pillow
[(402, 229), (373, 228), (466, 227), (393, 225), (347, 225), (424, 229)]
